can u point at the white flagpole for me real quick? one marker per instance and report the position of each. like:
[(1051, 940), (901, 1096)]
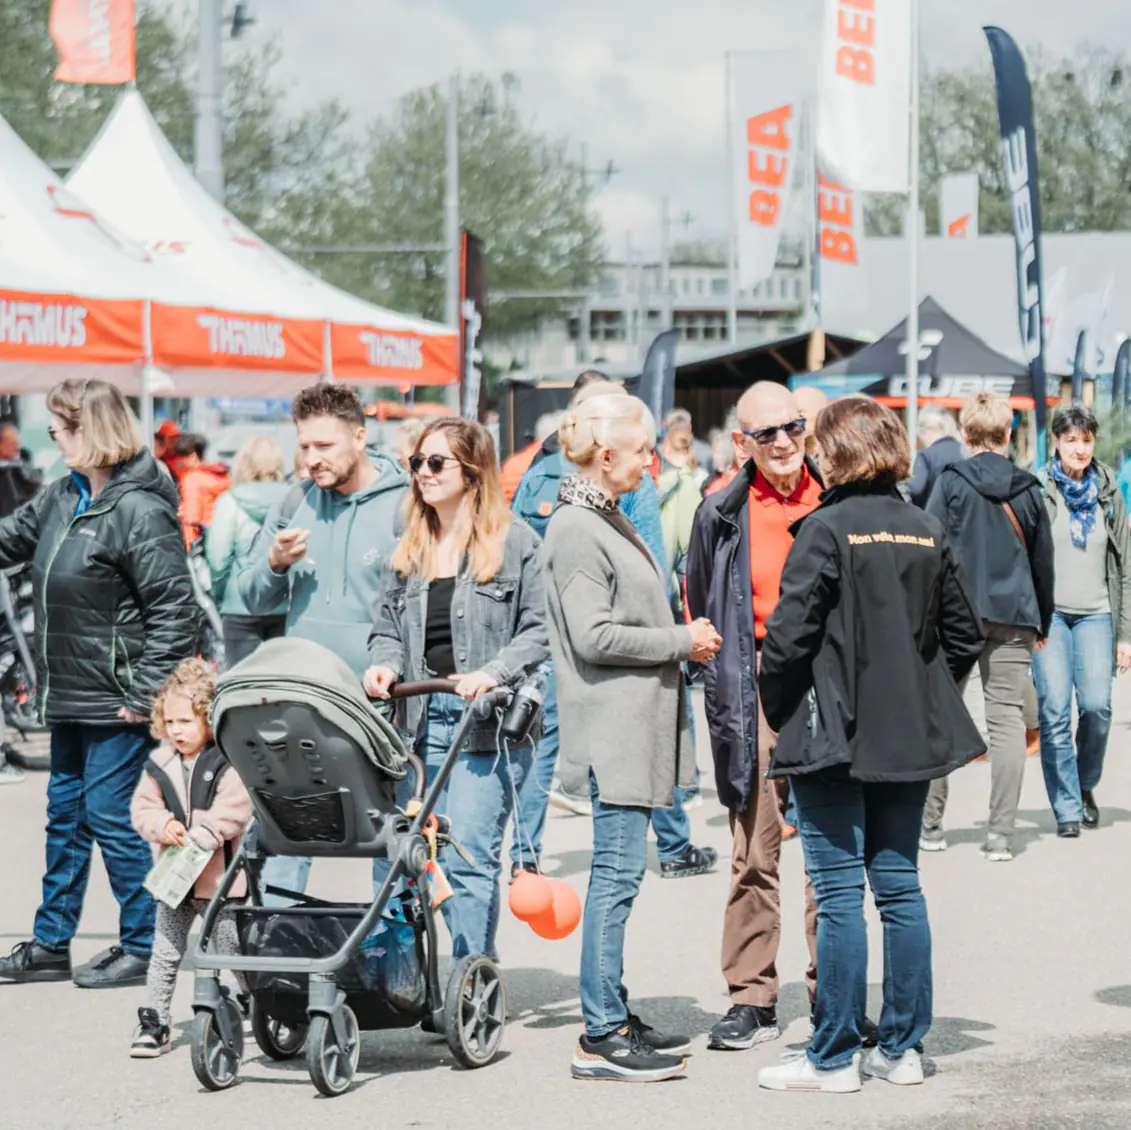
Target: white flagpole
[(732, 256), (913, 241)]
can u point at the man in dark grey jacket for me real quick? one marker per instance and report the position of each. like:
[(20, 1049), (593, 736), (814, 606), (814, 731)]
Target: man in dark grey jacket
[(939, 447), (995, 518)]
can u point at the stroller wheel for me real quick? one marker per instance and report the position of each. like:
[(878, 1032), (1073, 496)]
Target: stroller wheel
[(276, 1039), (475, 1010), (330, 1061), (215, 1061)]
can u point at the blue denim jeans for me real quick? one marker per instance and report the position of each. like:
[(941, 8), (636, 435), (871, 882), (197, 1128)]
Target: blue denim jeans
[(620, 853), (851, 832), (1079, 655), (94, 771)]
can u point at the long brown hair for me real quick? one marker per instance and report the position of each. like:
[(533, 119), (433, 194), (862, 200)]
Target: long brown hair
[(489, 518)]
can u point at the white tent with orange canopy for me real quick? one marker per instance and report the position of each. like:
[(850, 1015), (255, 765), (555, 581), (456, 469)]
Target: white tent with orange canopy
[(133, 176)]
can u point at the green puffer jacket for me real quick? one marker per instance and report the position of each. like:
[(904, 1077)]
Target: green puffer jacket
[(114, 606), (236, 523)]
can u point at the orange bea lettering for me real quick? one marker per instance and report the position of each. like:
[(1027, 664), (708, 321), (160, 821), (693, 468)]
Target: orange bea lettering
[(767, 162), (834, 208), (838, 246), (856, 31)]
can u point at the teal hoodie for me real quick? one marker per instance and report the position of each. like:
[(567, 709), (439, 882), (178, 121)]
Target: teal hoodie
[(236, 521), (331, 591)]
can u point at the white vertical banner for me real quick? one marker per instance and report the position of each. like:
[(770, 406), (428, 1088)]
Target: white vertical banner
[(843, 274), (958, 206), (864, 94), (767, 88)]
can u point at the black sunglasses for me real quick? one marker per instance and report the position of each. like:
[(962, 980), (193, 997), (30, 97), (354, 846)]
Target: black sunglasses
[(53, 433), (436, 463), (763, 437)]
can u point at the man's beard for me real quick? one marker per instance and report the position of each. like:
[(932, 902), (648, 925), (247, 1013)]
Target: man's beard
[(342, 477)]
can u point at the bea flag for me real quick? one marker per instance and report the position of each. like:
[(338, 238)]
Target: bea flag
[(766, 90), (95, 40), (864, 94), (958, 206), (1019, 159)]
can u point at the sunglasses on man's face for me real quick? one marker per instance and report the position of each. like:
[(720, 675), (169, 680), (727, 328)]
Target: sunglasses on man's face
[(763, 437), (434, 463)]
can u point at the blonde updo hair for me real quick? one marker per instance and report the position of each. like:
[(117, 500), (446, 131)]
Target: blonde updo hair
[(602, 422)]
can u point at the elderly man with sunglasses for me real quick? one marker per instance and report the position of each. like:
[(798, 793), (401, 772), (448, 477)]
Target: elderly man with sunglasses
[(738, 548)]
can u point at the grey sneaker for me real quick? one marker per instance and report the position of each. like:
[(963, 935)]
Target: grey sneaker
[(997, 849), (932, 839), (567, 802)]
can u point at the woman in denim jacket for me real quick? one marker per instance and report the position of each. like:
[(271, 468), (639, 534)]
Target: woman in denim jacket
[(462, 599)]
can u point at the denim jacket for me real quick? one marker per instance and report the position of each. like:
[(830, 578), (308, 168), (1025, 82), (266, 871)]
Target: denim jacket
[(498, 626)]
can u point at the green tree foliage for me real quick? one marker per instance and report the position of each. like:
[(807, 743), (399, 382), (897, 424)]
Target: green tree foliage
[(1082, 114)]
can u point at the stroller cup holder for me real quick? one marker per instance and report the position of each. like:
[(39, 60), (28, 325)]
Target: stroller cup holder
[(319, 972)]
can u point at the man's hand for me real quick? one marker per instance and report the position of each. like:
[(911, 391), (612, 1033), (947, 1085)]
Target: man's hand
[(128, 716), (705, 641), (174, 834), (378, 680), (1041, 644), (473, 684), (288, 547), (1123, 657)]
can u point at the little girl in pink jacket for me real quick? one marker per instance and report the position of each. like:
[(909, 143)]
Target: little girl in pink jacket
[(188, 791)]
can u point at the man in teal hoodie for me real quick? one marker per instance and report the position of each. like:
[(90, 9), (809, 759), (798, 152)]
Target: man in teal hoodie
[(325, 561)]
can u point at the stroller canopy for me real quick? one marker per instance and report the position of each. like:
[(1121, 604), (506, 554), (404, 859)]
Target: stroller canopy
[(298, 670)]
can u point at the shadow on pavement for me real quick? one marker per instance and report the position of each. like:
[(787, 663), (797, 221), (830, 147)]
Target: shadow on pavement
[(1118, 995)]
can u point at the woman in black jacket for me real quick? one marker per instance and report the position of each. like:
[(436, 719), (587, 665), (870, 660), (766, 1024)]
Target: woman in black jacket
[(873, 631), (114, 614)]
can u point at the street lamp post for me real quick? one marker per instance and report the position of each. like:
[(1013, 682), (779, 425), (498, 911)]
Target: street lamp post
[(210, 101), (452, 312)]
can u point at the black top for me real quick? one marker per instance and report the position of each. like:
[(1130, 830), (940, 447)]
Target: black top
[(439, 653)]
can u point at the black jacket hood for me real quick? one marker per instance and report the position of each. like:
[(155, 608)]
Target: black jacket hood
[(993, 476)]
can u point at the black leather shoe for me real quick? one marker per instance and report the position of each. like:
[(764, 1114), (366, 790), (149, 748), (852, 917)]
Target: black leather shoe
[(1069, 830), (744, 1026), (1091, 812), (112, 969), (29, 961), (694, 861)]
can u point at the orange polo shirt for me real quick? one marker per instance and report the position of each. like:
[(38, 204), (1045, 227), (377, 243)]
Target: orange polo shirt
[(770, 516)]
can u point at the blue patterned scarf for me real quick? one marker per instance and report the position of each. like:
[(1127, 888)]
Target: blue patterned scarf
[(1080, 496)]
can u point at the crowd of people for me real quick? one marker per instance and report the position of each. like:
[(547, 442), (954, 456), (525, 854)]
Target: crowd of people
[(833, 597)]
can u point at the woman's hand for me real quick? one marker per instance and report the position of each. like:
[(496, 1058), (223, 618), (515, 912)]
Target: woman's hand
[(378, 680), (131, 718), (473, 684), (175, 834), (1123, 657), (705, 641)]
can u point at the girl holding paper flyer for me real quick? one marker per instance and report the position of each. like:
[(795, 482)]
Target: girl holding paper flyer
[(188, 799)]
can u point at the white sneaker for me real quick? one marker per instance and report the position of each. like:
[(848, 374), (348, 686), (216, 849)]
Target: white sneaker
[(9, 774), (906, 1071), (799, 1074), (567, 802)]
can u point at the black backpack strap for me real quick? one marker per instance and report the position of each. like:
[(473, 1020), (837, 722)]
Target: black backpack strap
[(293, 500), (211, 765), (168, 794)]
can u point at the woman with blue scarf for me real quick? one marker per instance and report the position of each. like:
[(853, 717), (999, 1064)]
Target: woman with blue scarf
[(1091, 627)]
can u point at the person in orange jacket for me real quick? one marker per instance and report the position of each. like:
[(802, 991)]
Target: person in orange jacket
[(201, 484)]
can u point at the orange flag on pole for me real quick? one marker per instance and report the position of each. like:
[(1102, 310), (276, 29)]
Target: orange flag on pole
[(95, 40)]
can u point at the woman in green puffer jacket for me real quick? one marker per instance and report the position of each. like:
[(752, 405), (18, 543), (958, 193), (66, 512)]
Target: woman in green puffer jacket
[(257, 486)]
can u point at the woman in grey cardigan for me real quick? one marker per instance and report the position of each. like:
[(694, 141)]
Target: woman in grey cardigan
[(617, 655), (462, 599)]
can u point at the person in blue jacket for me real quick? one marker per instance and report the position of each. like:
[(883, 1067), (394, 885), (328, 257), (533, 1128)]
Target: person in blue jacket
[(535, 502)]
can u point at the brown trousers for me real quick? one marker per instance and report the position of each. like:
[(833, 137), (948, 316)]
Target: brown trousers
[(752, 922)]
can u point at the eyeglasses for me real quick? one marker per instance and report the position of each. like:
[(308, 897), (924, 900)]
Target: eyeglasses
[(763, 437), (435, 463), (53, 433)]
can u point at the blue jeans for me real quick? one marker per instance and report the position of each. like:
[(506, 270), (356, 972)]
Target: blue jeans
[(852, 831), (94, 771), (620, 853), (673, 832), (1079, 655), (478, 799)]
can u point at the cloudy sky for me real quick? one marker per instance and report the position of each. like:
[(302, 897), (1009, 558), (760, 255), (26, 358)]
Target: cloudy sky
[(639, 82)]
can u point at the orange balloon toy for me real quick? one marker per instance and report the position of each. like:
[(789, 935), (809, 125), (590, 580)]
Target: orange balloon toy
[(531, 896), (564, 914)]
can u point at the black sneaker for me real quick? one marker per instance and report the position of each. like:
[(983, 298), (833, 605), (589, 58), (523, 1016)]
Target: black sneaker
[(623, 1056), (1069, 830), (744, 1026), (9, 774), (659, 1041), (869, 1030), (29, 961), (112, 969), (152, 1037), (694, 861), (1091, 811)]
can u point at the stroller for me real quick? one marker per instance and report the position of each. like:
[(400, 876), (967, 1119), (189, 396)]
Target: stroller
[(321, 765)]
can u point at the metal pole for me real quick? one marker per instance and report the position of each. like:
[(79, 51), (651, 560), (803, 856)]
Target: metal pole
[(451, 226), (666, 264), (631, 299), (210, 101), (732, 258), (913, 241)]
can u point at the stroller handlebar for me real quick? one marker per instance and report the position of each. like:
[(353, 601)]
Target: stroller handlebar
[(425, 686)]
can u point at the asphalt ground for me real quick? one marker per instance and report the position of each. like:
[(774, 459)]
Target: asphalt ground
[(1032, 999)]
